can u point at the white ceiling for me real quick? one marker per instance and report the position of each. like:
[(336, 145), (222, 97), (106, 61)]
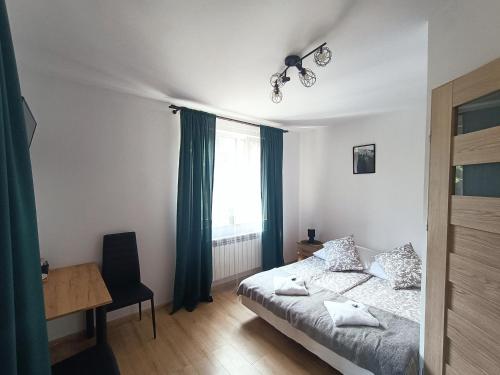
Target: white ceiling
[(219, 54)]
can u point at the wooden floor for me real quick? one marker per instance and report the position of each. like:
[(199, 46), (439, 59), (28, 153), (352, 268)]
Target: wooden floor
[(222, 337)]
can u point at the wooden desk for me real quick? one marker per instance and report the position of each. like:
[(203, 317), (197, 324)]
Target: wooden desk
[(77, 288)]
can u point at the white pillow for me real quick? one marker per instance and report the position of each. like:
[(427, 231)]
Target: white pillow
[(376, 269), (372, 266), (321, 253)]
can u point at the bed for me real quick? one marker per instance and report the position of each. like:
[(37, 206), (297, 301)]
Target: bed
[(389, 349)]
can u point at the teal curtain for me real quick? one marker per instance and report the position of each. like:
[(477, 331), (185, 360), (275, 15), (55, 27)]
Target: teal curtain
[(271, 170), (23, 331), (193, 270)]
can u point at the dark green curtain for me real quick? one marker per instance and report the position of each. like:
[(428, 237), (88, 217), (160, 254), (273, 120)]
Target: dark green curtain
[(193, 270), (23, 331), (271, 171)]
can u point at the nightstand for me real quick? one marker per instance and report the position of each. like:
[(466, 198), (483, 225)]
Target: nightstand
[(305, 249)]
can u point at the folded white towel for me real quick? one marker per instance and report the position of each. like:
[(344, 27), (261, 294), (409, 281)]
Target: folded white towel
[(350, 313), (290, 286)]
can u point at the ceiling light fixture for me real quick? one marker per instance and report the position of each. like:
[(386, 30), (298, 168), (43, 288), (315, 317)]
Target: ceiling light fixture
[(322, 56), (276, 94)]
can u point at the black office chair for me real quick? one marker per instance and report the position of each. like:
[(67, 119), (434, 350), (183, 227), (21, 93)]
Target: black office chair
[(121, 273)]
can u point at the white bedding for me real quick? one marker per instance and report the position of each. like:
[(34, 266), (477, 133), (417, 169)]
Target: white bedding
[(306, 268), (314, 271), (378, 293), (359, 286)]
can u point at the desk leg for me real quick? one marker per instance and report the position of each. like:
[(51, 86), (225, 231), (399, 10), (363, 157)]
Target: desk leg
[(89, 318), (100, 315)]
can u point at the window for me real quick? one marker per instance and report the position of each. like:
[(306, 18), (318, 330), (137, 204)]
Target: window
[(236, 202)]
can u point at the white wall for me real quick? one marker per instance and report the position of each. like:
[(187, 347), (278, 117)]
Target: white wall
[(291, 171), (103, 162), (107, 162), (463, 35), (382, 210)]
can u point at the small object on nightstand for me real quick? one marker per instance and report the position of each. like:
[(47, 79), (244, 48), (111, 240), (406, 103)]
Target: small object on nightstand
[(305, 249), (44, 265), (311, 233)]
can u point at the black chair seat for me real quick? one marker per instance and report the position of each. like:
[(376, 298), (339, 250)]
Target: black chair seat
[(127, 295), (97, 360)]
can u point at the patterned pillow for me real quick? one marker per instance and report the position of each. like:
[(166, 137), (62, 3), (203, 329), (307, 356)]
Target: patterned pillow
[(342, 255), (403, 267)]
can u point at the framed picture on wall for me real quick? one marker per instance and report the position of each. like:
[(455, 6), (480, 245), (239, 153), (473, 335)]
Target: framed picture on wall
[(363, 159)]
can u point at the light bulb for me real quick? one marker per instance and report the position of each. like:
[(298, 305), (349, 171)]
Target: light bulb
[(307, 77), (276, 95), (322, 56), (276, 78)]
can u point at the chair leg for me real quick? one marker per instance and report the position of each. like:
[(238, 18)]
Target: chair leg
[(153, 316), (140, 311)]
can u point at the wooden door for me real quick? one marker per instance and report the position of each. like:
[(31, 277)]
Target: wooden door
[(462, 322)]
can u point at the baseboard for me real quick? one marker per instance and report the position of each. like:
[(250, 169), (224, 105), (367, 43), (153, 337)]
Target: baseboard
[(72, 337)]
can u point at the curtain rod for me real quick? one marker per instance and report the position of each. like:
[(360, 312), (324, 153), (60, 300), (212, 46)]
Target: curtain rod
[(175, 109)]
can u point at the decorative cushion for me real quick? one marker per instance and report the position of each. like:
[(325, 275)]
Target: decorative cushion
[(403, 267), (342, 255)]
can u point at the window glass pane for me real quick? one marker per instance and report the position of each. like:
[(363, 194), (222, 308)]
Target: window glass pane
[(236, 206), (479, 114), (482, 180)]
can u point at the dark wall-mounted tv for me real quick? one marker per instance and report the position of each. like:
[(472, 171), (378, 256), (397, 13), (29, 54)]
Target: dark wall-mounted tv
[(29, 121)]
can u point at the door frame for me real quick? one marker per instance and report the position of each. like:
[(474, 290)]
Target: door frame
[(444, 103)]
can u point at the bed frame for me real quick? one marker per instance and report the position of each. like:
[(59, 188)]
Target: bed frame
[(338, 362)]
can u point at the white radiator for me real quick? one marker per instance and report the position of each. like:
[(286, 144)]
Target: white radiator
[(236, 257)]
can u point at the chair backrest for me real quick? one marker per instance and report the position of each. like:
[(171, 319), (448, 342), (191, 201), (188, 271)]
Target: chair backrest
[(120, 260)]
